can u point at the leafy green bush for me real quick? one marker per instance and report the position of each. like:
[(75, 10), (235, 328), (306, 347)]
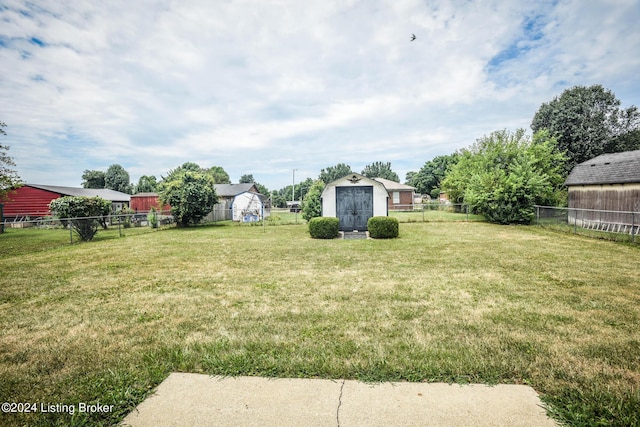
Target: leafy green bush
[(504, 175), (312, 204), (84, 213), (152, 217), (191, 196), (124, 216), (383, 227), (324, 228)]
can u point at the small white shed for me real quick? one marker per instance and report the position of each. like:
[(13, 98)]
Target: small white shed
[(249, 207), (354, 199)]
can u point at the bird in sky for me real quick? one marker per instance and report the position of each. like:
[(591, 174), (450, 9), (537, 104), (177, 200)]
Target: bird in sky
[(413, 37)]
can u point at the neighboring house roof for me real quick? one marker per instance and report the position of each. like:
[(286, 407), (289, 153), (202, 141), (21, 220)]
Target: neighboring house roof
[(394, 186), (615, 168), (230, 190), (111, 195)]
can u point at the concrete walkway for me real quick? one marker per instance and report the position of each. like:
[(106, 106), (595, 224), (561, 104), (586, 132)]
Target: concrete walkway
[(202, 400)]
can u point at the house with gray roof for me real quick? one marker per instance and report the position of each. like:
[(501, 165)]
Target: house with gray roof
[(401, 196), (229, 191), (609, 182)]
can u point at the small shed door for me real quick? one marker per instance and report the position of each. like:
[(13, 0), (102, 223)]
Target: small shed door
[(354, 207)]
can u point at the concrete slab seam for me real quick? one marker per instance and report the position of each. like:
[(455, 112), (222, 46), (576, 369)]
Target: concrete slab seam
[(339, 403)]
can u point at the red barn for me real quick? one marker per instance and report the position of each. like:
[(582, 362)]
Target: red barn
[(33, 199), (143, 202)]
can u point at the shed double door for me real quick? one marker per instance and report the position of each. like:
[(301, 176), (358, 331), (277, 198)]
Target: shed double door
[(354, 207)]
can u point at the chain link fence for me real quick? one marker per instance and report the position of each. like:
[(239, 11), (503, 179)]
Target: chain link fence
[(47, 230), (611, 225), (254, 216), (113, 225), (434, 212), (274, 216)]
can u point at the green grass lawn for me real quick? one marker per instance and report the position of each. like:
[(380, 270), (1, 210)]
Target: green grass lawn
[(106, 321)]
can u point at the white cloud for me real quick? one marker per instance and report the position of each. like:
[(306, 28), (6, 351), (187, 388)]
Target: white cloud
[(264, 87)]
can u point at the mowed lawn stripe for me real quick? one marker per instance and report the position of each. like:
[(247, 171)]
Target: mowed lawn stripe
[(461, 302)]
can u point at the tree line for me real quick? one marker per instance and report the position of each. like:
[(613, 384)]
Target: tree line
[(502, 175), (118, 179)]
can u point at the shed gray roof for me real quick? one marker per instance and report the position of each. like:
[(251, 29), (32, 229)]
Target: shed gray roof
[(230, 190), (615, 168), (111, 195)]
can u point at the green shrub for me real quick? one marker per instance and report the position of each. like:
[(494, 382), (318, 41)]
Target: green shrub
[(84, 213), (124, 216), (152, 217), (324, 227), (273, 219), (312, 204), (383, 227)]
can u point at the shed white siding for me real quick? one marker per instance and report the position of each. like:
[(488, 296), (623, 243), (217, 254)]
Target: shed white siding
[(380, 194), (248, 207)]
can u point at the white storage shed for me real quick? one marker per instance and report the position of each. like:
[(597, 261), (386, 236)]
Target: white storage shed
[(354, 199), (249, 207)]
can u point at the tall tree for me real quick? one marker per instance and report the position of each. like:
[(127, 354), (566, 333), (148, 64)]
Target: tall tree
[(185, 167), (93, 179), (587, 122), (247, 179), (278, 199), (380, 170), (428, 179), (191, 195), (503, 175), (219, 175), (146, 184), (117, 178), (335, 172), (9, 178), (409, 177), (303, 187)]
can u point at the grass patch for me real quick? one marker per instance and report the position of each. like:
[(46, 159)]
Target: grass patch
[(106, 321), (25, 241)]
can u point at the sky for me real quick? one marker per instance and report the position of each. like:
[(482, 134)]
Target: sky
[(268, 87)]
